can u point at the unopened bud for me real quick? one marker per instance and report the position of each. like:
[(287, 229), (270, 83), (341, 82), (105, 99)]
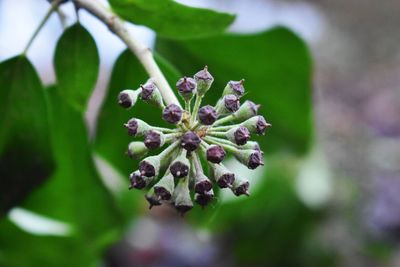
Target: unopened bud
[(186, 88), (228, 104), (154, 139), (165, 187), (172, 114), (151, 94), (251, 158), (137, 149), (182, 200), (152, 198), (127, 98), (137, 127), (138, 181), (190, 141), (204, 80), (223, 176), (238, 135), (241, 187), (215, 154), (150, 166), (203, 199), (207, 115), (256, 124), (234, 88), (180, 166), (252, 145), (247, 110), (202, 183)]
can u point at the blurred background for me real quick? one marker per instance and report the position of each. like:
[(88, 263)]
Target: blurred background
[(336, 204)]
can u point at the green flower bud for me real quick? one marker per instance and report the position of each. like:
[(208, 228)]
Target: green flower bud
[(202, 183), (252, 145), (137, 150), (180, 166), (256, 124), (154, 139), (152, 198), (137, 127), (238, 135), (151, 94), (165, 187), (247, 110), (150, 166), (227, 105), (204, 81), (186, 88), (138, 181), (234, 88), (127, 98), (222, 175), (182, 200), (251, 158), (203, 199), (240, 187)]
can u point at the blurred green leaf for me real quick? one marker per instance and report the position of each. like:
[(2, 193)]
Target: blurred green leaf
[(171, 19), (76, 65), (25, 153), (21, 249), (75, 194), (111, 137), (277, 68)]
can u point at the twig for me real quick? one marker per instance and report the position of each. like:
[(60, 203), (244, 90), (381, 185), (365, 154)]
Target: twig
[(142, 52)]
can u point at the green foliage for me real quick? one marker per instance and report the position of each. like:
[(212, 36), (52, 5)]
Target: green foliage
[(277, 69), (171, 19), (25, 153), (76, 64)]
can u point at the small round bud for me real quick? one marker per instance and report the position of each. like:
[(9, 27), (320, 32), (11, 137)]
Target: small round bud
[(180, 166), (238, 135), (203, 199), (223, 176), (231, 103), (190, 141), (255, 160), (252, 145), (207, 115), (165, 187), (137, 127), (154, 139), (127, 98), (241, 135), (241, 187), (182, 200), (261, 125), (137, 180), (152, 198), (150, 166), (215, 154), (172, 114), (247, 110), (151, 94), (202, 183), (235, 88), (256, 124), (137, 149), (186, 87), (204, 80)]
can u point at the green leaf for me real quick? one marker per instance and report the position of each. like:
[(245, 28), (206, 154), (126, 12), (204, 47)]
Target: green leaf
[(171, 19), (25, 153), (111, 137), (277, 68), (75, 194), (76, 64)]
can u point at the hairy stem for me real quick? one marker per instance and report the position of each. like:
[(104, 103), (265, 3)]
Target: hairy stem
[(142, 52)]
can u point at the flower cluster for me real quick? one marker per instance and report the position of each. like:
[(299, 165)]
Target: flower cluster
[(201, 133)]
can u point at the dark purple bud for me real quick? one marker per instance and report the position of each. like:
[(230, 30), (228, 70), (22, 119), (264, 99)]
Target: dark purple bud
[(226, 180), (182, 200), (172, 114), (242, 135), (153, 200), (255, 160), (125, 100), (179, 169), (203, 199), (162, 193), (231, 102), (147, 90), (202, 185), (190, 141), (132, 126), (164, 188), (261, 125), (215, 154), (183, 208), (147, 169), (186, 87), (242, 188), (207, 115), (153, 139), (204, 80), (204, 75), (137, 181), (237, 87)]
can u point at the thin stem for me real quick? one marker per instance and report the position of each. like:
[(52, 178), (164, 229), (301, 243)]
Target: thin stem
[(54, 5), (196, 107), (197, 163), (170, 137), (222, 128), (164, 130), (224, 120), (187, 106), (217, 134), (143, 53), (226, 146)]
